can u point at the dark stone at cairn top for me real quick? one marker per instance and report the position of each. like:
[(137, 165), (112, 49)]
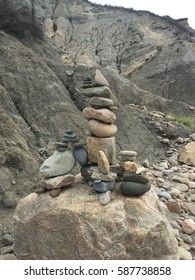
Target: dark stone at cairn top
[(69, 136), (87, 83)]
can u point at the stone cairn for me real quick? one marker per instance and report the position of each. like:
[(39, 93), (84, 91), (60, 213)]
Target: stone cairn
[(133, 182), (101, 143), (56, 169), (98, 162)]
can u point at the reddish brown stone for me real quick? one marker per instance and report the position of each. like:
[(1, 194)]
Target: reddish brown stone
[(174, 207), (104, 115), (101, 129), (58, 182)]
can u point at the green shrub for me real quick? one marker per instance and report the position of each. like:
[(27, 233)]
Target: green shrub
[(188, 121)]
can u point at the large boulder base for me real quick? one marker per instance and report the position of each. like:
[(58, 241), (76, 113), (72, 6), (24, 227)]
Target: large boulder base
[(75, 226)]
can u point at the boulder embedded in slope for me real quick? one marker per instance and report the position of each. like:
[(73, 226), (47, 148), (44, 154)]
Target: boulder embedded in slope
[(187, 154)]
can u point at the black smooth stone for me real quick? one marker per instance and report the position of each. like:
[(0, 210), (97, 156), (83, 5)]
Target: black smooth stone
[(81, 155), (135, 178), (134, 189)]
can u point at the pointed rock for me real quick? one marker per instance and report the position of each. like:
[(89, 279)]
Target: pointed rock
[(103, 163), (100, 79)]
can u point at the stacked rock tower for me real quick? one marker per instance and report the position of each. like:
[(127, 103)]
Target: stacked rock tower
[(101, 118)]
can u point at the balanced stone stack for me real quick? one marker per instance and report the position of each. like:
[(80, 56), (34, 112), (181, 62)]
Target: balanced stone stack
[(134, 183), (101, 118), (56, 169)]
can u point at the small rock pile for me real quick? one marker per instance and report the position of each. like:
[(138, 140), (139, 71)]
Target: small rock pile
[(134, 183), (56, 169)]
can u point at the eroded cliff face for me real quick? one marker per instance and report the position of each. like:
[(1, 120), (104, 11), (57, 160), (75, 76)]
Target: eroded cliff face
[(43, 46), (156, 53)]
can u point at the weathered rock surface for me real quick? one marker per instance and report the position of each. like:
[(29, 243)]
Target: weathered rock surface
[(75, 226)]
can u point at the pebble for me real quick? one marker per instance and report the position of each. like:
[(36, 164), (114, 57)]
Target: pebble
[(165, 195), (187, 238), (7, 239), (55, 192), (184, 254), (191, 208), (182, 187), (180, 179), (175, 192), (128, 153), (192, 197), (140, 170), (175, 225), (105, 198), (191, 185), (188, 226), (173, 207), (146, 163)]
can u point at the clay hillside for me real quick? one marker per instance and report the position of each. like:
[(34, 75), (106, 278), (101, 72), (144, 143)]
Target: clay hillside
[(48, 49)]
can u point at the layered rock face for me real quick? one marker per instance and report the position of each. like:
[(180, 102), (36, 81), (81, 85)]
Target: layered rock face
[(75, 226)]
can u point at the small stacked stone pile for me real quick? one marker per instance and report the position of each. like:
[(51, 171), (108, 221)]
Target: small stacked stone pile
[(56, 169), (134, 183)]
